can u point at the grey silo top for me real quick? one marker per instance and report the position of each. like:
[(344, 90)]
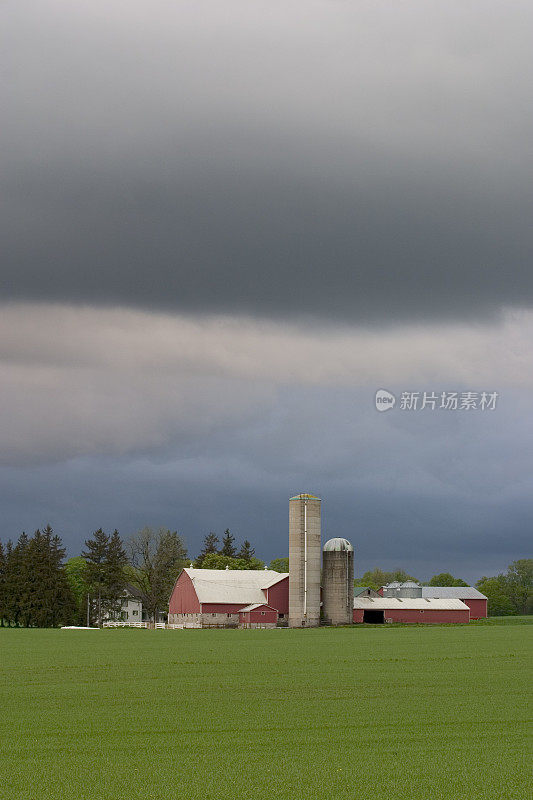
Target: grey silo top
[(338, 545)]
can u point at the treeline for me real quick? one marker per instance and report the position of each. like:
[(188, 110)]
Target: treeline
[(219, 555), (39, 589), (376, 578), (509, 593)]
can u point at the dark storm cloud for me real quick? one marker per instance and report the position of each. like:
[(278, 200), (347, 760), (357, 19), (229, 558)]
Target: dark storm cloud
[(382, 485), (363, 163)]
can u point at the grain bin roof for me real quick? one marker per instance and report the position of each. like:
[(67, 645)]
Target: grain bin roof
[(232, 585), (410, 603), (461, 592), (305, 496)]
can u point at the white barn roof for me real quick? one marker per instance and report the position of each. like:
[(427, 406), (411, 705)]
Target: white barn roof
[(233, 585), (460, 592), (410, 603)]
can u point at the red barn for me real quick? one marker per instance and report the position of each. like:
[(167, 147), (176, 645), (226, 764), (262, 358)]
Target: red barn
[(421, 610), (258, 615), (476, 602), (212, 598)]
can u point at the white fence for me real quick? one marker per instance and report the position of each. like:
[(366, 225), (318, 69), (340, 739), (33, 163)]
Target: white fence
[(112, 624), (122, 624)]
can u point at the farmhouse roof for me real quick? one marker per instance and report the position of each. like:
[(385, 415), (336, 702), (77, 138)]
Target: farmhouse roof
[(409, 603), (460, 592), (232, 585)]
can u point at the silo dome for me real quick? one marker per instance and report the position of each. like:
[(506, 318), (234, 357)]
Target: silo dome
[(337, 546)]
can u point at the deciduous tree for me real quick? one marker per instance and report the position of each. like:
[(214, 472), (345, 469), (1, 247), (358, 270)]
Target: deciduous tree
[(377, 578), (279, 564), (446, 579), (218, 561), (157, 558)]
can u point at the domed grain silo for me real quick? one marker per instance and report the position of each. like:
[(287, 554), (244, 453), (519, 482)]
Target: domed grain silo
[(410, 589), (391, 589), (304, 561), (337, 582)]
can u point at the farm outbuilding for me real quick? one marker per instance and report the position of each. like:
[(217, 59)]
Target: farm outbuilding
[(213, 598), (375, 610), (476, 602), (258, 615), (364, 591)]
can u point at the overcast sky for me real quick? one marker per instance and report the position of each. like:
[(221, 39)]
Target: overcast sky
[(225, 225)]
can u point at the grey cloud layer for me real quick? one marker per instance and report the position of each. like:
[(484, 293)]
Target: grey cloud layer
[(84, 381), (123, 418), (362, 162)]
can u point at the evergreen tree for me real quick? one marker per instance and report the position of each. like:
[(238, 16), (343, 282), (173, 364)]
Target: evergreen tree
[(211, 543), (246, 552), (105, 573), (228, 547), (2, 585), (115, 574), (16, 579), (46, 599), (8, 584), (95, 574), (35, 598), (63, 600)]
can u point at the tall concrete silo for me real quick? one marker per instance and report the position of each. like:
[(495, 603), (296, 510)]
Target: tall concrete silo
[(337, 582), (304, 561)]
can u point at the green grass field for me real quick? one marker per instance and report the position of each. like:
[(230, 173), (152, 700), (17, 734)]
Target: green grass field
[(364, 712)]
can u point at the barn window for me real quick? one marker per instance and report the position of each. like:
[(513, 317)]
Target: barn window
[(213, 615), (228, 615), (263, 613)]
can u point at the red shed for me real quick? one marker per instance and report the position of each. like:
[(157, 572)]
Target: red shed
[(420, 610), (258, 615)]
